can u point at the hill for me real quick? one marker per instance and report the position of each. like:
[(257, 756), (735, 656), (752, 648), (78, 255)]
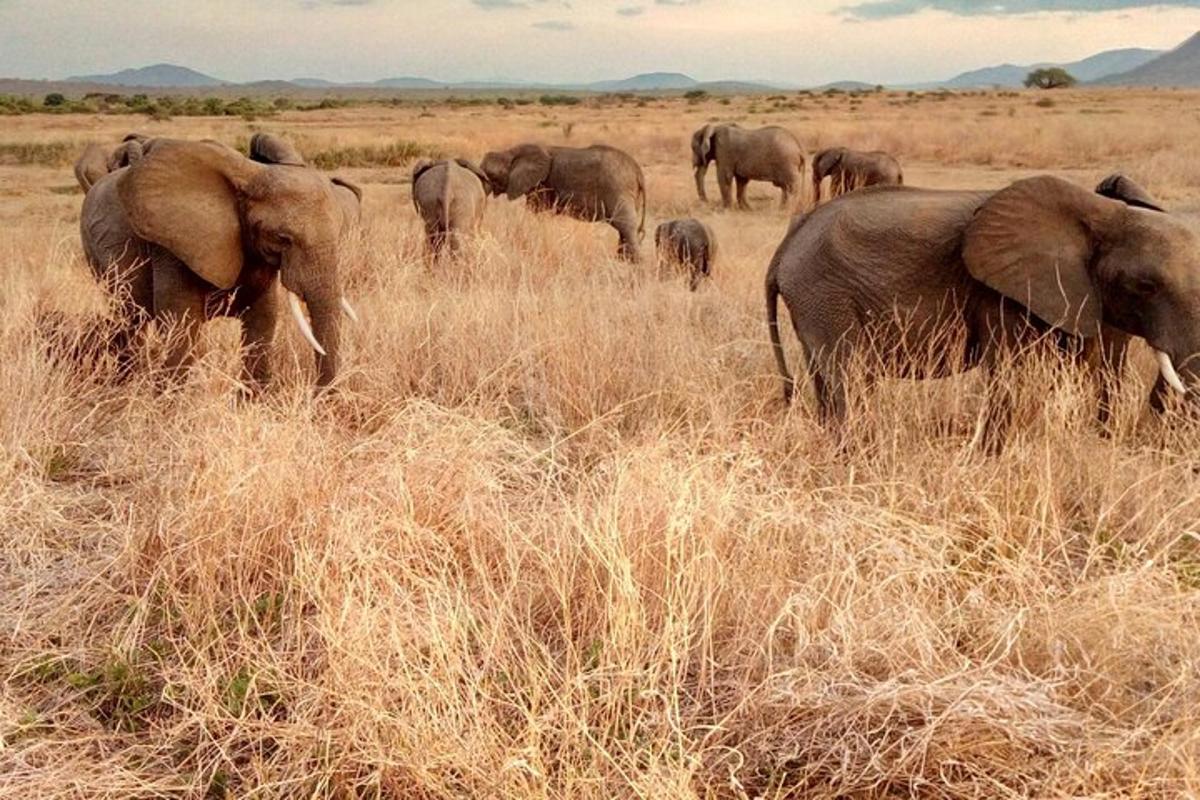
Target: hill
[(156, 75), (648, 82), (1089, 69), (1179, 67)]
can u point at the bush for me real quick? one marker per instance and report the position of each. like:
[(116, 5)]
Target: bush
[(397, 154), (1050, 78), (695, 95), (54, 100), (559, 100)]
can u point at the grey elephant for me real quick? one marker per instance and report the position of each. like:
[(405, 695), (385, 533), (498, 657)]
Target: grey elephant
[(97, 161), (690, 244), (594, 184), (195, 230), (269, 148), (770, 154), (854, 169), (450, 196), (890, 269)]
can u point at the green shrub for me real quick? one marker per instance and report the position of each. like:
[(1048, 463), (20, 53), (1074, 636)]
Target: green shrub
[(54, 99), (559, 100), (1050, 78)]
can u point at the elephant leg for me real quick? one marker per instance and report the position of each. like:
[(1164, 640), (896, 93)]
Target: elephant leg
[(258, 336), (133, 289), (179, 306), (741, 193), (1114, 352), (627, 248), (725, 181)]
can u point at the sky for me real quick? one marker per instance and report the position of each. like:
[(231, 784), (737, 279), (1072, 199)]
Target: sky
[(795, 42)]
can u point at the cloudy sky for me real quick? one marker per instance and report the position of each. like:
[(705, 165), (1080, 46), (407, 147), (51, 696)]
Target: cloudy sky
[(791, 41)]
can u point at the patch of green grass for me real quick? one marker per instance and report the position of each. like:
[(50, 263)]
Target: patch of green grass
[(397, 154)]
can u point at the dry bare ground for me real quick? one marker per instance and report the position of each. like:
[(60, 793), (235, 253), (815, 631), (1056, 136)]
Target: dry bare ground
[(555, 535)]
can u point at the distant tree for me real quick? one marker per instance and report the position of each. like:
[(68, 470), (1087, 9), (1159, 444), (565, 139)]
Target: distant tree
[(695, 95), (1050, 78), (54, 100)]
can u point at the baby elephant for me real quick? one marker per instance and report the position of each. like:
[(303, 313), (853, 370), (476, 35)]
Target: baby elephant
[(687, 243), (450, 197)]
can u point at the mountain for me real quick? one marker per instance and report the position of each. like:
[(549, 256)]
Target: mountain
[(1089, 69), (846, 86), (649, 82), (1179, 67), (407, 83), (156, 75)]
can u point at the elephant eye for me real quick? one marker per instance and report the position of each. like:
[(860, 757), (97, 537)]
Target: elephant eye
[(1143, 287)]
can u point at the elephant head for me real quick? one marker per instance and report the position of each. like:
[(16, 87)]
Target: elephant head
[(824, 164), (704, 152), (518, 171), (267, 148), (216, 210), (1076, 259)]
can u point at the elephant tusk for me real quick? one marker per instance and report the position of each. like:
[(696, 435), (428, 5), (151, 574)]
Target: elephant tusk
[(302, 321), (1168, 372), (349, 310)]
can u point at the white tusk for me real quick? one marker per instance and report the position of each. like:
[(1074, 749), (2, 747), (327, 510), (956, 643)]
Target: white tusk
[(302, 321), (1168, 372), (349, 309)]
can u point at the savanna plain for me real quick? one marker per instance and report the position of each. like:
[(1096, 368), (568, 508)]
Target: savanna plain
[(555, 535)]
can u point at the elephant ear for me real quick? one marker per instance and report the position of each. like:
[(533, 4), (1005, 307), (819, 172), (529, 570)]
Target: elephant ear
[(1034, 243), (421, 167), (706, 142), (1121, 187), (267, 148), (129, 153), (184, 197), (530, 167), (471, 167)]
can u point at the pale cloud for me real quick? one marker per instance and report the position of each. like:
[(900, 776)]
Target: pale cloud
[(882, 9), (364, 40)]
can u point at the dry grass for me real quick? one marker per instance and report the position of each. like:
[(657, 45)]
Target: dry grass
[(556, 537)]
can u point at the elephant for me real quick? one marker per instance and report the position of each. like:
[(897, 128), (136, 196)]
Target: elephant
[(450, 196), (769, 154), (1121, 187), (688, 243), (268, 148), (853, 169), (594, 184), (195, 230), (96, 162), (894, 268)]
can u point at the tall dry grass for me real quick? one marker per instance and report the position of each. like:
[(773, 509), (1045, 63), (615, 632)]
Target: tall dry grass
[(555, 535)]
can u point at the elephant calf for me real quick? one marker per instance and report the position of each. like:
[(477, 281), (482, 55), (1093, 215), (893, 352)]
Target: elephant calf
[(594, 184), (450, 196), (853, 169), (97, 161), (687, 243)]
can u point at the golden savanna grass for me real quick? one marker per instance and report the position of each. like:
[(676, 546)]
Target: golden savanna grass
[(555, 536)]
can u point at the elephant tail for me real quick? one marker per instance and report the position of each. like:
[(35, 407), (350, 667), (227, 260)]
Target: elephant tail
[(773, 328), (642, 192)]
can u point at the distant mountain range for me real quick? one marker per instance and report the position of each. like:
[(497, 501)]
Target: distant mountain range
[(1089, 69), (156, 75), (1178, 67), (1127, 67)]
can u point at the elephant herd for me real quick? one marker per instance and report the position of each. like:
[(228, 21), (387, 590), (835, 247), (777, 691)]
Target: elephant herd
[(936, 281)]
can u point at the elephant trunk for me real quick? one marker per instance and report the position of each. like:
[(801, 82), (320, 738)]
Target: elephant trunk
[(314, 280), (326, 322), (701, 173)]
